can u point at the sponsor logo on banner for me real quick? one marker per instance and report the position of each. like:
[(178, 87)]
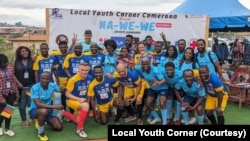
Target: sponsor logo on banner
[(55, 13), (120, 41)]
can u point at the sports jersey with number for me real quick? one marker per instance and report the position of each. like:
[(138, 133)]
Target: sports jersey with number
[(204, 60), (131, 80), (45, 96), (214, 85), (171, 81), (72, 62), (94, 60), (157, 57), (59, 60), (78, 86), (154, 73), (42, 64), (102, 90), (194, 90)]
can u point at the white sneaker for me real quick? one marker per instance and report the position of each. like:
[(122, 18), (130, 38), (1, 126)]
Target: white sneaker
[(82, 134), (1, 131), (9, 133), (182, 121), (192, 120), (155, 121), (149, 120)]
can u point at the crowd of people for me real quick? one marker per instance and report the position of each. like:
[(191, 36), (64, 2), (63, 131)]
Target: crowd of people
[(133, 79)]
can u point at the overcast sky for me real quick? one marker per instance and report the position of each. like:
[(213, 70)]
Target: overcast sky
[(32, 12)]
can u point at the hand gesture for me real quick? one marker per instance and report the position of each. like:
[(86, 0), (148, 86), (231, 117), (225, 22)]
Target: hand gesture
[(74, 39), (155, 83), (163, 36), (59, 107)]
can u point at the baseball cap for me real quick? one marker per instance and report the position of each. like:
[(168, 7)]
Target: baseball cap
[(87, 32)]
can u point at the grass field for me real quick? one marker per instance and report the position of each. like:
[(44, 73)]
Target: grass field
[(233, 116)]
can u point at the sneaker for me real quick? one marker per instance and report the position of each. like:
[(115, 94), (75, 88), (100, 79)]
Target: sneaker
[(1, 131), (130, 118), (82, 134), (117, 123), (192, 120), (9, 133), (139, 122), (149, 120), (182, 121), (155, 121), (91, 113), (43, 137), (25, 124)]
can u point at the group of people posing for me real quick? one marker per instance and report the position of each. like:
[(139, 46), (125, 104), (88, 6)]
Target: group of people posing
[(129, 79)]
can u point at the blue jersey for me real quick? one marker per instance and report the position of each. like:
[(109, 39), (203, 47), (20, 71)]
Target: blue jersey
[(204, 60), (164, 60), (158, 56), (194, 90), (72, 62), (45, 96), (42, 64), (59, 59), (132, 78), (109, 64), (79, 86), (214, 85), (171, 81), (94, 60), (154, 73), (150, 49), (102, 90), (180, 55), (189, 65)]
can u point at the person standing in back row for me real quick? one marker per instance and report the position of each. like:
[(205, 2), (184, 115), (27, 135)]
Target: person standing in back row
[(25, 78)]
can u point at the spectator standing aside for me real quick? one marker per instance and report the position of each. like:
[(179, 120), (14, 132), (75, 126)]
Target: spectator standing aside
[(41, 107), (45, 62), (8, 93), (25, 78), (101, 92), (217, 95), (76, 93)]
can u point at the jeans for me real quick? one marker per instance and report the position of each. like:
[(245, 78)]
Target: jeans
[(22, 103)]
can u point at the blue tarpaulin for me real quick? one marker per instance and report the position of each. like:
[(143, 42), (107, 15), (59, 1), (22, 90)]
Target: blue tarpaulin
[(225, 15)]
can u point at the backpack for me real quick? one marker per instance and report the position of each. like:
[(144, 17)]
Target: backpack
[(210, 58)]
